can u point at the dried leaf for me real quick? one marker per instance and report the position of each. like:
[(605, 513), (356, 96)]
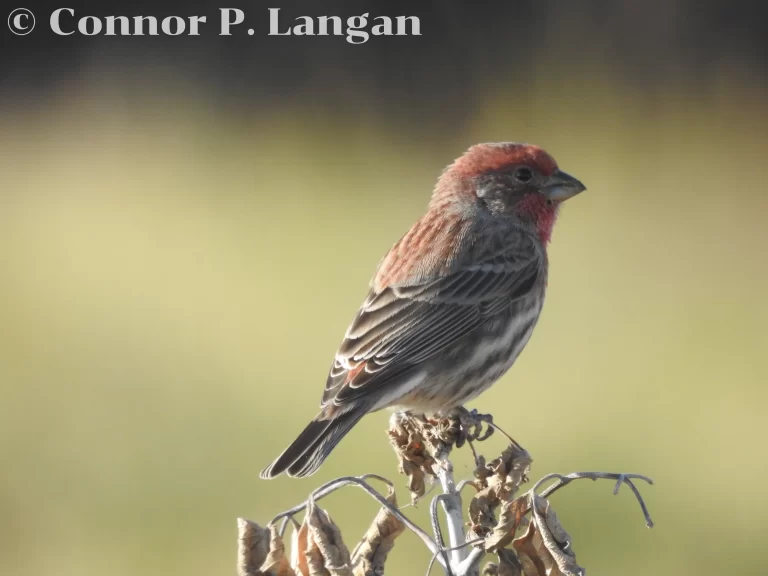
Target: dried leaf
[(509, 520), (498, 482), (527, 547), (325, 546), (446, 431), (555, 538), (540, 552), (507, 565), (481, 471), (511, 468), (315, 560), (276, 564), (482, 512), (299, 545), (370, 554), (414, 453), (417, 485), (252, 547)]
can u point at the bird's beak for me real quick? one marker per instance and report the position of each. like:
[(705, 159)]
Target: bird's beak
[(560, 186)]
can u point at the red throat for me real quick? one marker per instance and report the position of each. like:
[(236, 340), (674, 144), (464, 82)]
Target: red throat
[(535, 207)]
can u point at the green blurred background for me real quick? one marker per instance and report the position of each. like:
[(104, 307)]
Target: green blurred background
[(177, 269)]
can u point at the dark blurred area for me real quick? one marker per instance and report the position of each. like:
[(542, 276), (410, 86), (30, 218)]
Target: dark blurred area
[(464, 47), (188, 224)]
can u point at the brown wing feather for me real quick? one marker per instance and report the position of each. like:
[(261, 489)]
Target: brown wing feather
[(407, 320)]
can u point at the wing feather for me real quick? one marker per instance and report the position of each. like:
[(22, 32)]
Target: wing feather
[(402, 325)]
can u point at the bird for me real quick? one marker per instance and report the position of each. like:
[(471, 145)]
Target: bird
[(452, 304)]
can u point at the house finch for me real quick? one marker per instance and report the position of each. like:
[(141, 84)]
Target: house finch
[(452, 304)]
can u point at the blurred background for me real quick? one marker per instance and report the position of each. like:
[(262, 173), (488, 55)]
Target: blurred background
[(187, 225)]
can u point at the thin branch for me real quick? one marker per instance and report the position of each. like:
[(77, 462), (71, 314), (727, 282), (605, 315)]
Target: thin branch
[(360, 482), (514, 442), (437, 531), (620, 479), (474, 452), (424, 446), (466, 544), (471, 562), (628, 482), (451, 501), (319, 493)]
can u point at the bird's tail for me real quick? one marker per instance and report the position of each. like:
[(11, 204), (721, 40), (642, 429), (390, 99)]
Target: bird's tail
[(305, 455)]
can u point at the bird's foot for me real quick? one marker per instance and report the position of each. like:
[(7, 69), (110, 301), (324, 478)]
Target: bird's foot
[(471, 426)]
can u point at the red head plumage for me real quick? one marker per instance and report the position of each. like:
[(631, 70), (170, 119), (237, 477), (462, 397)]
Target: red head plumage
[(482, 158)]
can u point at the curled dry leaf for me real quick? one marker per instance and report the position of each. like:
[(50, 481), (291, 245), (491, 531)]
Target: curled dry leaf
[(299, 545), (420, 442), (326, 552), (545, 549), (370, 554), (528, 548), (276, 564), (511, 468), (555, 538), (481, 512), (497, 482), (417, 485), (415, 454), (252, 547), (507, 565), (445, 432), (510, 518)]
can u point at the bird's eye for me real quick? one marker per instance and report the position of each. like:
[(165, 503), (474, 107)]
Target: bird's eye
[(523, 175)]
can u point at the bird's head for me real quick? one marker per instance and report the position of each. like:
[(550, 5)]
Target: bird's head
[(508, 180)]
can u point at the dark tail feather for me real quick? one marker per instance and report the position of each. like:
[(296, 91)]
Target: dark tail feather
[(305, 455)]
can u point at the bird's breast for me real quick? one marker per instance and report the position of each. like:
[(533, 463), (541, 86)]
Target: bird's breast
[(472, 365)]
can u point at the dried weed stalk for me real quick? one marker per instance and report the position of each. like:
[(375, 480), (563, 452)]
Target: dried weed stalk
[(521, 530)]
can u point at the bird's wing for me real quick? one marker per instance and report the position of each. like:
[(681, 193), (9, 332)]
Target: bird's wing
[(403, 324)]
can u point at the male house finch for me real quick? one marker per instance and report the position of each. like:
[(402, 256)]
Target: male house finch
[(452, 304)]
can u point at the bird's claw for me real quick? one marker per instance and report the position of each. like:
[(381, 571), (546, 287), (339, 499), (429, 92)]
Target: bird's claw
[(471, 427)]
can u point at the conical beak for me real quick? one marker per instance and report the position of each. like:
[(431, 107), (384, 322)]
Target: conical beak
[(560, 186)]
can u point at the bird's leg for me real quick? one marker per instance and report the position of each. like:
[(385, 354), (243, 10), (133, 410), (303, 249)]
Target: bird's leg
[(479, 419)]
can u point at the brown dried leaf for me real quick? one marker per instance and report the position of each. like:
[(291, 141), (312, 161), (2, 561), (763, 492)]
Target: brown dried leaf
[(325, 546), (252, 547), (299, 544), (414, 453), (507, 565), (482, 512), (527, 547), (555, 538), (498, 480), (509, 520), (481, 471), (370, 554), (315, 561), (512, 469), (445, 431), (417, 485), (539, 551), (276, 564)]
